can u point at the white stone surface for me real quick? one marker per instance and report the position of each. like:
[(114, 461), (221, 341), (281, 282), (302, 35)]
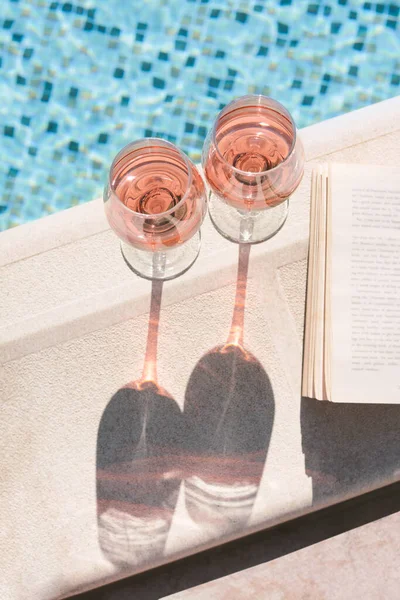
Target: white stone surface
[(361, 563), (73, 332)]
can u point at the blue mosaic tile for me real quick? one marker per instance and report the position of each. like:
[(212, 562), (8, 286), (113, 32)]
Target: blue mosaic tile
[(81, 79), (394, 10)]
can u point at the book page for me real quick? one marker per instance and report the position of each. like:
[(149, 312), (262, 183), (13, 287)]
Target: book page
[(319, 378), (328, 296), (365, 283), (316, 379), (308, 349)]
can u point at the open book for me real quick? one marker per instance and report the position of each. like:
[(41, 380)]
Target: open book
[(352, 325)]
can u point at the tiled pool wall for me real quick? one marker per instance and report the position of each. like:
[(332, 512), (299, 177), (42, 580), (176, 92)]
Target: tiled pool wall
[(81, 79)]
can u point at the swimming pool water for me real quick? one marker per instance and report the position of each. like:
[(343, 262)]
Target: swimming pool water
[(79, 80)]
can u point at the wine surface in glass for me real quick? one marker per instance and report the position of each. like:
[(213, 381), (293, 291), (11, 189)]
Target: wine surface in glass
[(250, 142), (158, 183)]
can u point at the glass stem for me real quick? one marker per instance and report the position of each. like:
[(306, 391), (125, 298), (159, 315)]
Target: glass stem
[(159, 263), (247, 226)]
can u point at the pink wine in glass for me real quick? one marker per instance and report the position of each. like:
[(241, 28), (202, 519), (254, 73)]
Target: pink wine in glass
[(158, 192), (249, 159), (155, 201)]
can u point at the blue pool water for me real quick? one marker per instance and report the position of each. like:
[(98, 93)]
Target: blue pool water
[(80, 79)]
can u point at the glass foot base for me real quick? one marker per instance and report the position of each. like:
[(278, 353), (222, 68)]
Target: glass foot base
[(246, 227), (163, 264)]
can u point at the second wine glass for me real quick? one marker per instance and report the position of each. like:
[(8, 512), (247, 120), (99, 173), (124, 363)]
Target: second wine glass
[(253, 161)]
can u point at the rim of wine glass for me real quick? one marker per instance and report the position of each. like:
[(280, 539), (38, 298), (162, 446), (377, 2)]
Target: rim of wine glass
[(148, 142), (228, 108)]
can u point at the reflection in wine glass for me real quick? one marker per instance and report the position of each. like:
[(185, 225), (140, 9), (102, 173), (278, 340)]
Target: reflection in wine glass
[(155, 202), (229, 413), (137, 456), (253, 161)]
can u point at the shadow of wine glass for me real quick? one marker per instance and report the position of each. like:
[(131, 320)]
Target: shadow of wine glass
[(229, 414), (137, 467), (349, 447)]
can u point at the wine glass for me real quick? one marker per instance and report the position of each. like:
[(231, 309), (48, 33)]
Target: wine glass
[(155, 201), (253, 161)]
